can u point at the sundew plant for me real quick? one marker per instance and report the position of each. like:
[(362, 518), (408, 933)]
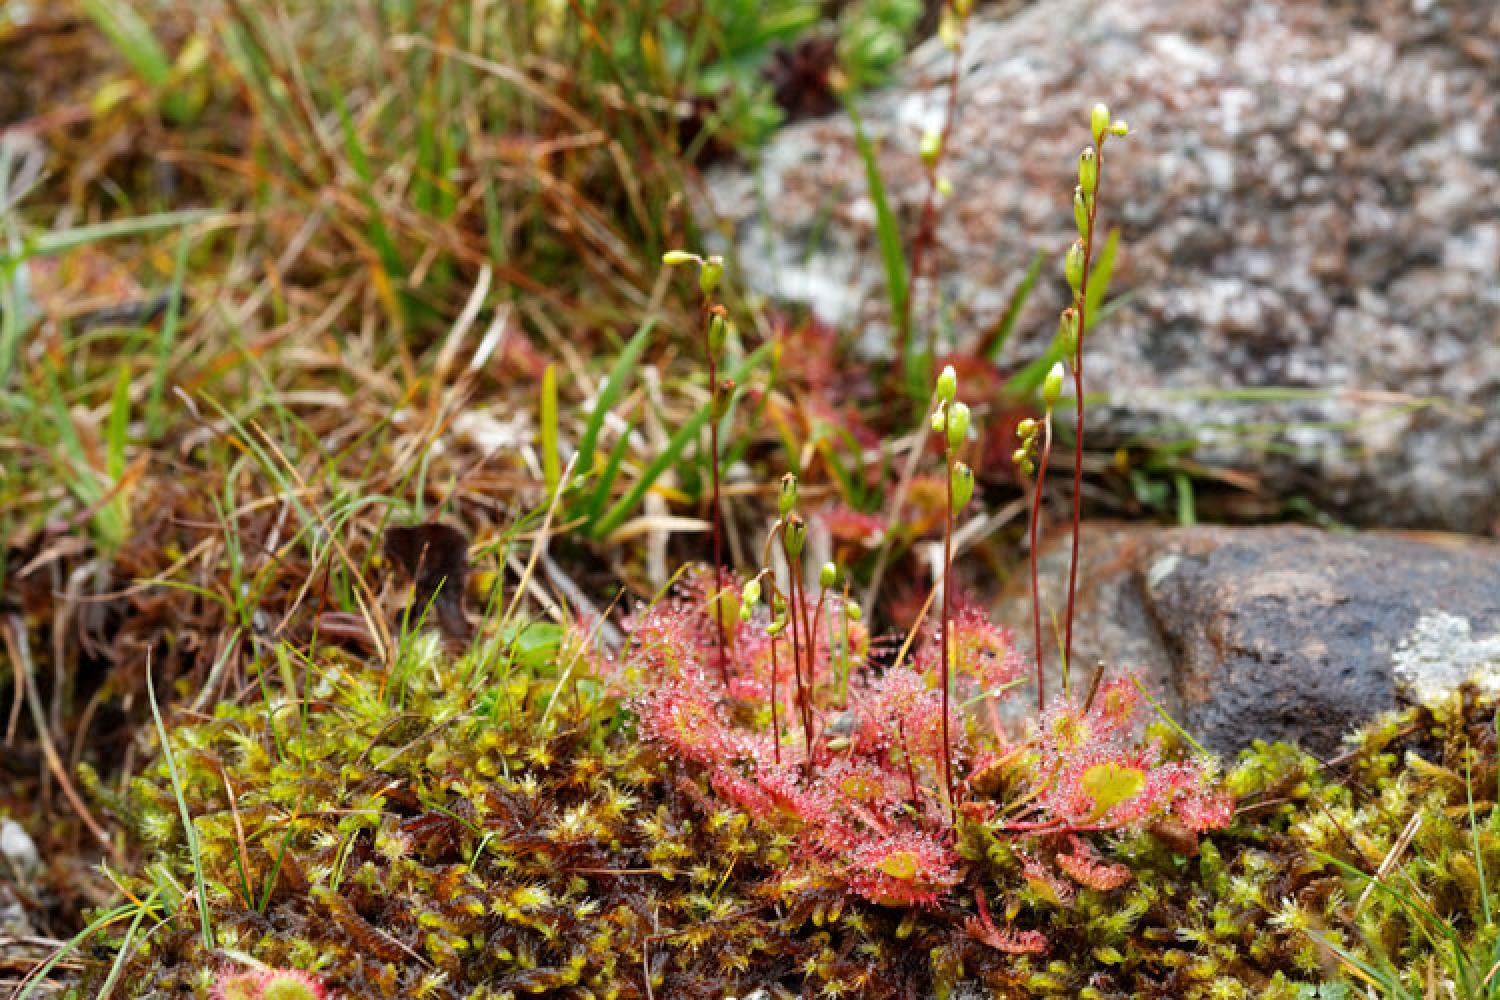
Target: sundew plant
[(872, 755)]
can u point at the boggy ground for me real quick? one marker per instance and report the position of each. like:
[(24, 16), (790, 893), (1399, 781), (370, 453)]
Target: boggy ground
[(276, 282)]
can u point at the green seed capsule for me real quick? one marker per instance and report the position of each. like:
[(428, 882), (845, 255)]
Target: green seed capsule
[(947, 384), (794, 535), (931, 147), (1026, 429), (1080, 211), (828, 575), (1073, 265), (750, 593), (710, 273), (1088, 170), (1052, 386), (787, 501), (1119, 128), (853, 611), (1067, 332), (962, 484), (674, 257), (958, 424)]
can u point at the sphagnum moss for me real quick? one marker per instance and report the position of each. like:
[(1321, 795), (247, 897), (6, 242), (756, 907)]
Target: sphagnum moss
[(462, 850)]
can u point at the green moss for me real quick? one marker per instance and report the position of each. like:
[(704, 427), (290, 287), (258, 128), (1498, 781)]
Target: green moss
[(510, 837)]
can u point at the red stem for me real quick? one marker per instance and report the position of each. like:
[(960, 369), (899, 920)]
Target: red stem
[(713, 464), (945, 624), (927, 218), (1083, 301), (1036, 596), (775, 717), (794, 573), (911, 774)]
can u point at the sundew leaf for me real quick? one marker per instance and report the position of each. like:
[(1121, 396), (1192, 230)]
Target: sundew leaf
[(1109, 784)]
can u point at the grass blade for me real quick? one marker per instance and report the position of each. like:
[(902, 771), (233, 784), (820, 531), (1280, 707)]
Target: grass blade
[(551, 464), (888, 232), (187, 822), (687, 433), (619, 377), (994, 339)]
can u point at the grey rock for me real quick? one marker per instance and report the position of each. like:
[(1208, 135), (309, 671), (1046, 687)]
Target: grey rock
[(19, 850), (1281, 632), (1307, 203)]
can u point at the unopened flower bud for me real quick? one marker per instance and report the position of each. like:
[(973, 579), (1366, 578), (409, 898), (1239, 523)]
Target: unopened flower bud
[(962, 485), (774, 629), (828, 575), (950, 30), (1088, 169), (1080, 211), (1052, 386), (718, 329), (944, 186), (1020, 455), (1119, 128), (958, 424), (1099, 121), (710, 273), (750, 593), (674, 257), (853, 611), (787, 501), (794, 535), (1067, 332), (1026, 429), (939, 419), (931, 147), (1073, 265), (947, 384)]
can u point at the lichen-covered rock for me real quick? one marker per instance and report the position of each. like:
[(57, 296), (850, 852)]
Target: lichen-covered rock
[(1280, 633), (1307, 204)]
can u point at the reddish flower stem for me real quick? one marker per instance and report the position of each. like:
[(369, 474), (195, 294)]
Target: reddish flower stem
[(946, 627), (927, 217), (713, 465), (775, 715), (911, 773), (1083, 301), (1036, 595)]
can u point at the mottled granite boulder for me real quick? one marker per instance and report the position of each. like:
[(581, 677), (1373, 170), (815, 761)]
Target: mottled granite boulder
[(1308, 203), (1278, 633)]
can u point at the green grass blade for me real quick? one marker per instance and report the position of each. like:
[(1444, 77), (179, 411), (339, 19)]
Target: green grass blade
[(170, 325), (70, 239), (132, 37), (619, 378), (888, 232), (551, 463), (686, 434), (995, 339), (187, 821)]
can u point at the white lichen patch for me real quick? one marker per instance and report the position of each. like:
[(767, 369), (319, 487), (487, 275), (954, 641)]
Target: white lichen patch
[(1440, 653)]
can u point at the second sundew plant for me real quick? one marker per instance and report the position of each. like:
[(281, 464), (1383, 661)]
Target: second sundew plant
[(878, 764)]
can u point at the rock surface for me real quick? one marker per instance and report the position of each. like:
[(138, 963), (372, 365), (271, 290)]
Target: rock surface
[(1278, 633), (1307, 203)]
